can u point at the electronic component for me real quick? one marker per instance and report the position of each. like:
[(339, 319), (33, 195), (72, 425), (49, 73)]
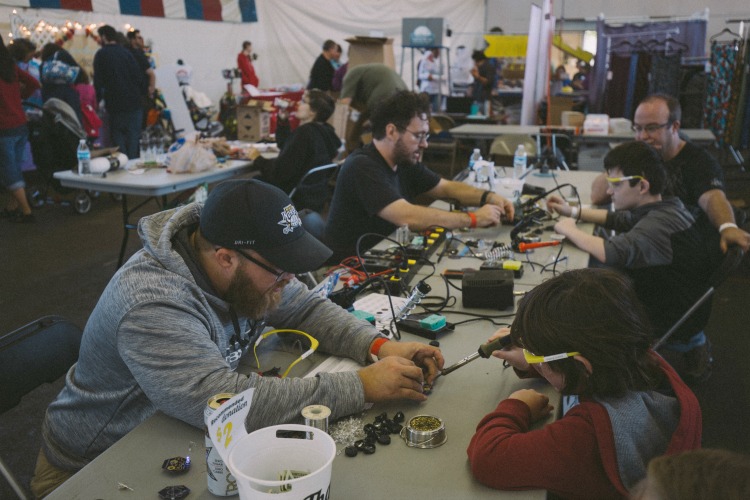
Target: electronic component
[(491, 289), (510, 265), (427, 325)]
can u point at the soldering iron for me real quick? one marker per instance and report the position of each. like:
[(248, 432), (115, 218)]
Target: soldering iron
[(484, 351)]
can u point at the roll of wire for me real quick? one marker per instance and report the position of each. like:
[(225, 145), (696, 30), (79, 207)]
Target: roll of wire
[(317, 416)]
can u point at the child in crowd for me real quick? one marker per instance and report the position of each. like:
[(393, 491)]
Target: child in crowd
[(586, 332), (696, 475), (87, 94)]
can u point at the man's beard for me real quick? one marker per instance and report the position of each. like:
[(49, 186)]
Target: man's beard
[(401, 155), (248, 301)]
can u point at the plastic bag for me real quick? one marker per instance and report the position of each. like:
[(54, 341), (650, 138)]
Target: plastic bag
[(192, 157)]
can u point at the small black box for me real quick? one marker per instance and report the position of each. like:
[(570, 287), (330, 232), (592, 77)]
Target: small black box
[(489, 289)]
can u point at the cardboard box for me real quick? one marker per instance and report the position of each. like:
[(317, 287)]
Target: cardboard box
[(365, 50), (558, 104), (253, 124), (339, 119)]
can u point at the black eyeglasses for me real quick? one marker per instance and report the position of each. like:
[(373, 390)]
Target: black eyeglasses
[(422, 136), (650, 128), (278, 274)]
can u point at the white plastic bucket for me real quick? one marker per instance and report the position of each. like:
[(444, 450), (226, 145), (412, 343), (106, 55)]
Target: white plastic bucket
[(259, 459), (509, 188)]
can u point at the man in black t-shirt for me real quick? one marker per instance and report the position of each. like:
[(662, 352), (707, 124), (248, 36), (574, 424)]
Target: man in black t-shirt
[(695, 176), (377, 186), (321, 74)]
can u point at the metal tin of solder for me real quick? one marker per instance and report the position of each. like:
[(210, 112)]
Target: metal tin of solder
[(317, 416), (221, 481), (427, 438)]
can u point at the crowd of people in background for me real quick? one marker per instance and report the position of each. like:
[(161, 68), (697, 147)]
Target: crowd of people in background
[(625, 392)]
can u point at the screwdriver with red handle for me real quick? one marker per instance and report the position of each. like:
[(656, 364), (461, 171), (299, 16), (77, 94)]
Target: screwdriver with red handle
[(523, 246)]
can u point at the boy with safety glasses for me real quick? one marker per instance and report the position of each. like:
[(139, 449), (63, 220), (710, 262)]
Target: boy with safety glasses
[(587, 334), (657, 243)]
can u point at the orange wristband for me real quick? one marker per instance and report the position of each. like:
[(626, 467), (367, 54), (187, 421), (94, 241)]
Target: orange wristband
[(376, 345), (473, 218)]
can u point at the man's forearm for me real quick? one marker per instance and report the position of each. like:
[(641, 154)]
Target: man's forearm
[(717, 207)]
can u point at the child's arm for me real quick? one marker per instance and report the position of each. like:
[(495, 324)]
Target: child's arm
[(589, 243), (595, 215)]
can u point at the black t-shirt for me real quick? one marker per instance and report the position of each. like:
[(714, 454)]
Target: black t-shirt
[(321, 75), (693, 172), (366, 185)]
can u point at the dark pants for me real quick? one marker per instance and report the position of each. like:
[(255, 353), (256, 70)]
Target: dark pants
[(125, 130)]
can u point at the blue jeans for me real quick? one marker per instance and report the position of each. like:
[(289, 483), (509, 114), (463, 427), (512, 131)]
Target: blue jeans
[(12, 148), (125, 129)]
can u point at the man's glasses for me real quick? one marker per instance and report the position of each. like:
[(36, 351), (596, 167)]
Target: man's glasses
[(650, 128), (422, 136), (615, 182), (533, 359), (279, 274)]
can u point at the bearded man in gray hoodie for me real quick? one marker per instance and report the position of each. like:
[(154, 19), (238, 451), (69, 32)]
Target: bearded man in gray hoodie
[(170, 328)]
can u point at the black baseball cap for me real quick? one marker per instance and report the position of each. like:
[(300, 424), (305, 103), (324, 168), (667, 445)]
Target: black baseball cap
[(254, 215)]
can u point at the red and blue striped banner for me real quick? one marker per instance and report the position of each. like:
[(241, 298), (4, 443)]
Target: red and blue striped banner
[(237, 11)]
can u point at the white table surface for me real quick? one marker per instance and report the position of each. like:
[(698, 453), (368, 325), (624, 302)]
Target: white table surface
[(484, 131)]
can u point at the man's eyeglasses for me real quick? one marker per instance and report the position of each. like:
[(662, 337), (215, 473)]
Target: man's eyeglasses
[(279, 274), (650, 128), (615, 182), (533, 359), (422, 136)]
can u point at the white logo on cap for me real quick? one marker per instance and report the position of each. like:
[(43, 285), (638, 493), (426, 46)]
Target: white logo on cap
[(290, 219)]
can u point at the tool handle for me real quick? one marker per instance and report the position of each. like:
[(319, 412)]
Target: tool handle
[(522, 247), (486, 350)]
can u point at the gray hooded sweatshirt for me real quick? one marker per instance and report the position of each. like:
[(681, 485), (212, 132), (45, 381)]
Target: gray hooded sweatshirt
[(158, 340)]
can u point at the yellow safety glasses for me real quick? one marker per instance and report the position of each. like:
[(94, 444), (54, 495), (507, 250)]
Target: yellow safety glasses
[(313, 346), (616, 181), (533, 359)]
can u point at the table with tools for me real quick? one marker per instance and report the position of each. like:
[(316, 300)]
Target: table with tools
[(460, 397)]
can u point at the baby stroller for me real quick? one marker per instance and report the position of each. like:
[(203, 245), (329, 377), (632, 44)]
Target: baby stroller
[(54, 135), (199, 104)]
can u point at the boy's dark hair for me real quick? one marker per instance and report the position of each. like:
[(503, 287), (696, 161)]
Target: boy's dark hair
[(108, 32), (597, 313), (321, 104), (132, 34), (399, 109), (246, 44), (328, 45), (673, 105), (638, 158)]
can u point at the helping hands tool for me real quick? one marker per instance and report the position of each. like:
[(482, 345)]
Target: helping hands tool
[(484, 351)]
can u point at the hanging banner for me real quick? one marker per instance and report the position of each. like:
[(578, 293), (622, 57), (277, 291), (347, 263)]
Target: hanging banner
[(233, 11), (506, 45), (579, 53)]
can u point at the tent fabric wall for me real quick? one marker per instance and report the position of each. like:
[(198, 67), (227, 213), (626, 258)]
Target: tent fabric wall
[(287, 37)]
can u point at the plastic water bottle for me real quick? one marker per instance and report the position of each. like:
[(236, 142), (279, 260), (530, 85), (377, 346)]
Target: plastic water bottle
[(519, 162), (84, 158), (475, 157)]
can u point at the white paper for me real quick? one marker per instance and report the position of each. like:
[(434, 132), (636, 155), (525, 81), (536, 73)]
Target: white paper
[(226, 426)]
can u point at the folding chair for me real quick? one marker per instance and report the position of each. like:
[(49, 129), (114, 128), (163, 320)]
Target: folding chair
[(30, 356), (313, 190), (731, 261)]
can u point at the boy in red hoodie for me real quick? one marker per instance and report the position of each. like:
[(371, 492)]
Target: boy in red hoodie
[(586, 333)]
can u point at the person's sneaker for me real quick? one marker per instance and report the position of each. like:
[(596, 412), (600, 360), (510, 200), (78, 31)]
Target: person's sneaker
[(698, 363)]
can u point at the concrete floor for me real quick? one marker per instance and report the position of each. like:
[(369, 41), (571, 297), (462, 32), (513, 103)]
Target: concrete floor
[(61, 264)]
